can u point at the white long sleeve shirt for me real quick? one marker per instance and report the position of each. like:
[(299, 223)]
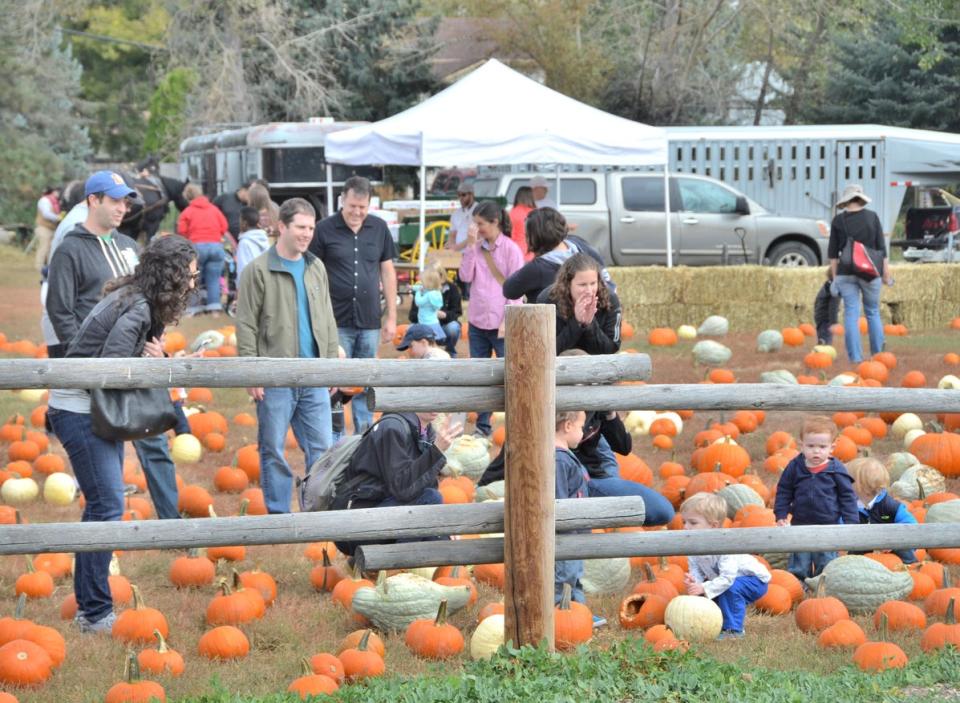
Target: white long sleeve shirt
[(717, 572)]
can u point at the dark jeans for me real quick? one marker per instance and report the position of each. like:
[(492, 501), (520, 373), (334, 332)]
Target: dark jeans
[(658, 509), (161, 475), (210, 257), (482, 342), (430, 496), (803, 565), (452, 331), (98, 467)]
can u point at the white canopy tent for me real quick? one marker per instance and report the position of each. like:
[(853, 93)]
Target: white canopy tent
[(496, 115)]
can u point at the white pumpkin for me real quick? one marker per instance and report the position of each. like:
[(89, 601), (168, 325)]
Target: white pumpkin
[(488, 637), (491, 491), (19, 491), (693, 618), (710, 353), (638, 421), (781, 376), (467, 455), (910, 436), (715, 325), (59, 489), (186, 449), (687, 332), (211, 339), (602, 576), (32, 395), (907, 488), (949, 382), (397, 601), (904, 423), (842, 379), (769, 341), (826, 349)]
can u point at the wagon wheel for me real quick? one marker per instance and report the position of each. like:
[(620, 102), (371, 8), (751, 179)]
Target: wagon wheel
[(435, 236)]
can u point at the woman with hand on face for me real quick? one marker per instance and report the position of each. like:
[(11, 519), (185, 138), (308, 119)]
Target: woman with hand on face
[(588, 312)]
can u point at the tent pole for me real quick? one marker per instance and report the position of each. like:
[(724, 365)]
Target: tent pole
[(423, 205), (329, 190), (666, 208), (557, 173)]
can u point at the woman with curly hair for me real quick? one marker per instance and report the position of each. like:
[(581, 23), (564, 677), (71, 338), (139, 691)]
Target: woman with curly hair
[(129, 321), (588, 312)]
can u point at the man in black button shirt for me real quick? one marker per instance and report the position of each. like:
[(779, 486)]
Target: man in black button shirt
[(231, 204), (358, 252)]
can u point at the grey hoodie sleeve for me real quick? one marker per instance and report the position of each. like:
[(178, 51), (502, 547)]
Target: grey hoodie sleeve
[(62, 295)]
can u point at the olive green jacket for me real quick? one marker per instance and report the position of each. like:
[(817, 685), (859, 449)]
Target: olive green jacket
[(267, 308)]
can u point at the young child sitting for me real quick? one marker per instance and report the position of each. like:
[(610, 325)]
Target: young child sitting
[(429, 299), (815, 489), (731, 580), (571, 482), (421, 341), (877, 507)]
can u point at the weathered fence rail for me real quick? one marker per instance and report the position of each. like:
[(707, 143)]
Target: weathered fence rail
[(753, 540), (402, 522), (241, 372), (694, 396)]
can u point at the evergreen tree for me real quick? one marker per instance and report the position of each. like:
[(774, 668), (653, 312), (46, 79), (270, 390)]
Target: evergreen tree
[(879, 79)]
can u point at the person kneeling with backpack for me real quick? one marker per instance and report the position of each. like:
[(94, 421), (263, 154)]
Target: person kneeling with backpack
[(396, 463)]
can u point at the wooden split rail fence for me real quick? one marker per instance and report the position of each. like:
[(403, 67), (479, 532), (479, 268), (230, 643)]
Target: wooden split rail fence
[(531, 384)]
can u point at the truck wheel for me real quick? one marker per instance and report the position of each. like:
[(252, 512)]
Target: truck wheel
[(792, 254)]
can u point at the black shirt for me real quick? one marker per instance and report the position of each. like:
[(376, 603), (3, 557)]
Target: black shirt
[(230, 205), (862, 226), (353, 265)]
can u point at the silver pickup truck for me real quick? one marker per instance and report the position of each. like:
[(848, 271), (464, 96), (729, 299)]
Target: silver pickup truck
[(622, 215)]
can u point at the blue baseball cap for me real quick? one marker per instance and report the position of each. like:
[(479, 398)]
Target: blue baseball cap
[(109, 183), (416, 333)]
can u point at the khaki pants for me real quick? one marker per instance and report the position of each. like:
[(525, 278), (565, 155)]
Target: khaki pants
[(43, 237)]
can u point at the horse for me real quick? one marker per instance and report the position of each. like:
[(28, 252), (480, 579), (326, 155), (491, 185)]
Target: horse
[(148, 210)]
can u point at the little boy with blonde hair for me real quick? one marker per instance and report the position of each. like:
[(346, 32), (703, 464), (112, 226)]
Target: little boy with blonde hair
[(732, 581), (877, 507)]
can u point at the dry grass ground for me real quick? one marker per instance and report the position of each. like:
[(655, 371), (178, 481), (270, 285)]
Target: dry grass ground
[(303, 622)]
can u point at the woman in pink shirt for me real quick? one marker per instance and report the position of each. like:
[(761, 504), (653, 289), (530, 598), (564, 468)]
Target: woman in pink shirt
[(205, 226), (523, 205), (489, 257)]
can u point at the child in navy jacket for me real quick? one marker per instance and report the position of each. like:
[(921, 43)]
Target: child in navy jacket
[(571, 478), (815, 489), (876, 506)]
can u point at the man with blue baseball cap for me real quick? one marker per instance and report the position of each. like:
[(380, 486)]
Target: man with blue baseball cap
[(89, 255)]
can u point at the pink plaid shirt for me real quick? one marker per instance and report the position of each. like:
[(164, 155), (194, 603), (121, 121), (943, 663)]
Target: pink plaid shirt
[(487, 303)]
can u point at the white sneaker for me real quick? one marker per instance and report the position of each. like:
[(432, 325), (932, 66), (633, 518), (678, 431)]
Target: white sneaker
[(104, 624)]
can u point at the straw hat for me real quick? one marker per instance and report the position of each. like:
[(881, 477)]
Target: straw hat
[(852, 191)]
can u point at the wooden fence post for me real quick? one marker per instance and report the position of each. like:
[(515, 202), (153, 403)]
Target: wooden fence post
[(530, 387)]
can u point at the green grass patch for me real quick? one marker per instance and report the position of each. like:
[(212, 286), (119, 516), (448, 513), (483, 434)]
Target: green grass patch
[(631, 671)]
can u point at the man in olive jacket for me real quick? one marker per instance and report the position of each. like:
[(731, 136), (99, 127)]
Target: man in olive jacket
[(284, 311)]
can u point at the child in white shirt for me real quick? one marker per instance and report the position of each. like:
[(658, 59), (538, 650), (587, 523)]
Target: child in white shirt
[(730, 580)]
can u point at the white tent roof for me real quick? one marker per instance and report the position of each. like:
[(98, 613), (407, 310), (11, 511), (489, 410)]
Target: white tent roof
[(498, 116)]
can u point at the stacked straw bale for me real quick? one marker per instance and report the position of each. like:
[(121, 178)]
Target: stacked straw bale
[(924, 296)]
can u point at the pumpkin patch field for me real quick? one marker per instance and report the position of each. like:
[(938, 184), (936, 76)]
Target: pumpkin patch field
[(287, 622)]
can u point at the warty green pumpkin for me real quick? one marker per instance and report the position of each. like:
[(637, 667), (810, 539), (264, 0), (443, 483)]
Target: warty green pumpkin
[(397, 601), (739, 495), (605, 575), (862, 584)]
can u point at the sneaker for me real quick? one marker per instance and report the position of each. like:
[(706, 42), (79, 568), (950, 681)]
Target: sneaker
[(104, 624), (730, 635), (599, 621)]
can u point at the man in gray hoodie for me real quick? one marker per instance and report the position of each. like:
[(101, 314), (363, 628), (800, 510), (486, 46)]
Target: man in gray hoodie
[(90, 255)]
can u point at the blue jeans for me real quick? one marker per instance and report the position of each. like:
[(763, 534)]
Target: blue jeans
[(161, 475), (452, 330), (658, 510), (851, 288), (307, 410), (482, 342), (571, 572), (803, 565), (98, 466), (733, 602), (359, 344), (210, 258)]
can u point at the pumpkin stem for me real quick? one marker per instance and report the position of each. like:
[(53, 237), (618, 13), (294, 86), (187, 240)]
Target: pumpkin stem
[(921, 493), (455, 573), (648, 574), (137, 598), (326, 558), (382, 580), (237, 581), (30, 567), (950, 618), (224, 587), (244, 504), (18, 517), (211, 511), (567, 592), (664, 565), (21, 606), (821, 588), (947, 581), (883, 627), (441, 614), (162, 647), (305, 667), (362, 645), (194, 552)]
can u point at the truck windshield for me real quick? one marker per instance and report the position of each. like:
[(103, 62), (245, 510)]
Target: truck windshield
[(485, 187)]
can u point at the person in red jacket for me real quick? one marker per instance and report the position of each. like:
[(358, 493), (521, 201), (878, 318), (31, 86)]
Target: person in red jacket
[(205, 226)]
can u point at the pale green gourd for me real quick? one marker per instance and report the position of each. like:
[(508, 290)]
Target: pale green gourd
[(862, 584), (737, 496), (603, 576), (397, 601), (710, 353), (769, 341), (947, 511)]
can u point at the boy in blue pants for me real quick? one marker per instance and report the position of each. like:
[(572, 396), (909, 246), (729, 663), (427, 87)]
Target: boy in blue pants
[(571, 481), (731, 580)]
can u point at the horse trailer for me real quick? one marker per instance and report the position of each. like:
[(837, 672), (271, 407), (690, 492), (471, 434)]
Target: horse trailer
[(288, 155)]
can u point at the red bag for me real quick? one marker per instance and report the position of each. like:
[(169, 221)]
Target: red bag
[(863, 260)]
